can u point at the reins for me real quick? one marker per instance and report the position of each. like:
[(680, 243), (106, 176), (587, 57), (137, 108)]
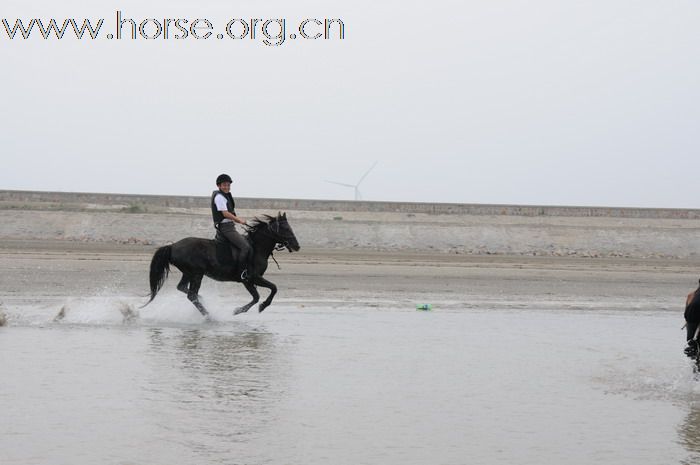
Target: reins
[(275, 260)]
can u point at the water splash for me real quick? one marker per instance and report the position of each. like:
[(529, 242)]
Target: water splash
[(644, 380), (170, 309)]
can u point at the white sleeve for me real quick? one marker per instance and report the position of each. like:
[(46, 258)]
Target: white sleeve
[(220, 202)]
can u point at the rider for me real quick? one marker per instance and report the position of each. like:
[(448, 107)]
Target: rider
[(692, 320), (223, 211)]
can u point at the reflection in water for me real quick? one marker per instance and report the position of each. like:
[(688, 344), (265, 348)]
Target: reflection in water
[(229, 364), (215, 388), (689, 434)]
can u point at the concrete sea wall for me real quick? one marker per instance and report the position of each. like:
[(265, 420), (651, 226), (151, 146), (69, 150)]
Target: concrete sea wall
[(554, 231)]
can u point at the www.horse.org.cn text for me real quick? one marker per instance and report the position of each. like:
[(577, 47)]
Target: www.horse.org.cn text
[(271, 32)]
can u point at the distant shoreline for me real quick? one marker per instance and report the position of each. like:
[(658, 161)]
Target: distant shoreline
[(84, 201)]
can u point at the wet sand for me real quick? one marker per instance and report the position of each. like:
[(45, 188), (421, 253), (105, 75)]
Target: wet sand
[(380, 258), (50, 271)]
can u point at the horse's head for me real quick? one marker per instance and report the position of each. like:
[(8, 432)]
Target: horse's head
[(283, 233)]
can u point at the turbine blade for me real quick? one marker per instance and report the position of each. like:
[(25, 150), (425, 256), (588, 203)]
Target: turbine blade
[(365, 175), (339, 183)]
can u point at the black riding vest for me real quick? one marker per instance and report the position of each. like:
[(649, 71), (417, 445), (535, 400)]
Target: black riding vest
[(230, 206)]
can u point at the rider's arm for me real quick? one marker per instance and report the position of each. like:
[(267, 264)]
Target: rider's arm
[(221, 206), (231, 216)]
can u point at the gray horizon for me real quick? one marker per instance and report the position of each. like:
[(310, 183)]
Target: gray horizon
[(512, 104)]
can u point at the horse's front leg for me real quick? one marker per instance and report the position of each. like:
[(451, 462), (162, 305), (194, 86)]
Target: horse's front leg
[(256, 297), (260, 281)]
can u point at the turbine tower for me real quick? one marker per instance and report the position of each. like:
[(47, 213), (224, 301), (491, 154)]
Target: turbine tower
[(356, 186)]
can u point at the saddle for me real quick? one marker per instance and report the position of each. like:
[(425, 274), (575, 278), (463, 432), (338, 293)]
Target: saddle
[(228, 253)]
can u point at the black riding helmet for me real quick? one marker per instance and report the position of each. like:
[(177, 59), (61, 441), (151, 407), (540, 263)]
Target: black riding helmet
[(223, 178)]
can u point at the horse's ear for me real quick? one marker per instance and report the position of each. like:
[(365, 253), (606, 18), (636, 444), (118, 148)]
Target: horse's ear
[(279, 214), (284, 215)]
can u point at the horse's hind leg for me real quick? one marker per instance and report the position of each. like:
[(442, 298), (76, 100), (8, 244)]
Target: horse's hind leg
[(256, 297), (183, 285), (195, 282)]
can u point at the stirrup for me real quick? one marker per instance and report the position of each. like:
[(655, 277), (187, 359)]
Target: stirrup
[(244, 275)]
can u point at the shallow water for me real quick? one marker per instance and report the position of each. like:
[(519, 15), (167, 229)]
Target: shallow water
[(345, 386)]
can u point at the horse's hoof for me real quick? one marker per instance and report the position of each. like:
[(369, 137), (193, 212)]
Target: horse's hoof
[(240, 310), (262, 307)]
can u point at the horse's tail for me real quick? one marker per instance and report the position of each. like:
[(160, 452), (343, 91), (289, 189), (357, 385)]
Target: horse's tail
[(160, 267)]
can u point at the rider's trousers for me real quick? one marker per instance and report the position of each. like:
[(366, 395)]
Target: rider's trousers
[(238, 241)]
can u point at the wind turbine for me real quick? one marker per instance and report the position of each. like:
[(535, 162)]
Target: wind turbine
[(356, 187)]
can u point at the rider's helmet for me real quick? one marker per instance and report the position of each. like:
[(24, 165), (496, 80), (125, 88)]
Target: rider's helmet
[(223, 178)]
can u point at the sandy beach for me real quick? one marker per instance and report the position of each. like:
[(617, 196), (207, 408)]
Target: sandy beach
[(54, 246), (52, 271), (58, 247)]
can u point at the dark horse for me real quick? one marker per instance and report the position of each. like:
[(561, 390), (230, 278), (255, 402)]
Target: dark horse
[(692, 321), (197, 258)]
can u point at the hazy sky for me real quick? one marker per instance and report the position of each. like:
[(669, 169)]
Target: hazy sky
[(523, 102)]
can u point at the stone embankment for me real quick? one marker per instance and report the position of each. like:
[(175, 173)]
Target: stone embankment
[(444, 228)]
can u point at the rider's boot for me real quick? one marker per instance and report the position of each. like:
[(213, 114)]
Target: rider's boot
[(248, 274)]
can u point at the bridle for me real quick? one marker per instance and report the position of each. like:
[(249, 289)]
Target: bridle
[(281, 242)]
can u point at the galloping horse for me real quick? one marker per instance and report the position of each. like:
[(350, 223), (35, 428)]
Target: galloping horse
[(692, 323), (197, 258)]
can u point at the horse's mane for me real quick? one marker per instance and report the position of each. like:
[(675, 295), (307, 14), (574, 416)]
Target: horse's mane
[(258, 223)]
